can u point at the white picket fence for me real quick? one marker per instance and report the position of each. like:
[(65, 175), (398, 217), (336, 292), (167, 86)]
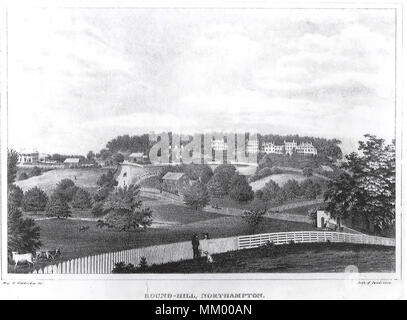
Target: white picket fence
[(253, 241), (104, 263)]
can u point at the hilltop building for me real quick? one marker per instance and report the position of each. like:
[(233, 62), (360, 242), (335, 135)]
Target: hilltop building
[(304, 148)]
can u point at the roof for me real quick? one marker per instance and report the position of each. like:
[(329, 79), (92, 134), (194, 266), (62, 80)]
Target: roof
[(173, 175), (72, 160), (136, 155)]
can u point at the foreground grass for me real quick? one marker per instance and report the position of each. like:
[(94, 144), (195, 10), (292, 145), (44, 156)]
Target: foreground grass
[(65, 234), (295, 258)]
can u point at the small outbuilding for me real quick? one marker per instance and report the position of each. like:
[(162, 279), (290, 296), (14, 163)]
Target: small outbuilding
[(137, 157), (72, 162), (175, 182)]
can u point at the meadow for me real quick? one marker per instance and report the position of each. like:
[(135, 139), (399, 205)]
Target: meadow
[(282, 178)]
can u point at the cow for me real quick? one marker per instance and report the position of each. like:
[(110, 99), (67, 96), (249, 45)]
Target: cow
[(22, 258), (83, 228)]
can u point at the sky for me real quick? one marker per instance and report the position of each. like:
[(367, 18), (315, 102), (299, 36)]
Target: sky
[(80, 77)]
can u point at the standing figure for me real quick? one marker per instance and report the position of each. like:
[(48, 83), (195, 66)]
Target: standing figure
[(195, 246)]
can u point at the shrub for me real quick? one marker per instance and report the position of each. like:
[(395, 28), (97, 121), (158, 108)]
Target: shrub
[(81, 199), (122, 267), (15, 195), (35, 172), (107, 180), (254, 216), (34, 200), (23, 176), (270, 191), (215, 188), (58, 206)]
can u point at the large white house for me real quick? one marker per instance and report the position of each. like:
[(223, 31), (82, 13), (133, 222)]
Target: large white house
[(304, 148), (28, 157)]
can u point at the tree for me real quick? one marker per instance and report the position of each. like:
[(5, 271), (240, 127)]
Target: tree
[(291, 189), (58, 206), (201, 172), (215, 188), (22, 176), (224, 174), (270, 191), (240, 189), (124, 210), (23, 235), (307, 171), (15, 195), (367, 187), (196, 196), (90, 156), (254, 216), (118, 157), (35, 200), (67, 189), (81, 199), (12, 159), (107, 180)]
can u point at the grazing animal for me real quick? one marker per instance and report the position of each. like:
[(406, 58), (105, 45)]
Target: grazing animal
[(209, 258), (40, 254), (53, 254), (22, 258), (83, 228)]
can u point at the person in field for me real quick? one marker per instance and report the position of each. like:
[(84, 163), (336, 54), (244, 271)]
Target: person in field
[(195, 246)]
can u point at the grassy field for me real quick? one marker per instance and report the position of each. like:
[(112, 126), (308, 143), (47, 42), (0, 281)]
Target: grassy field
[(180, 214), (296, 258), (64, 234), (85, 178), (282, 178)]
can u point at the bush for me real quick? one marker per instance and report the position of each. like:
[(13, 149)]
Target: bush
[(34, 200), (58, 206), (107, 180), (240, 189), (121, 267), (81, 199), (310, 189), (15, 195), (23, 176), (35, 172), (254, 216)]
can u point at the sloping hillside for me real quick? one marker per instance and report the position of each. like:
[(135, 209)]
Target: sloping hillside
[(85, 178)]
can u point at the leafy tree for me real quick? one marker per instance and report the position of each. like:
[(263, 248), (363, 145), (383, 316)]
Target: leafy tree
[(292, 189), (15, 195), (58, 206), (270, 191), (124, 209), (67, 189), (81, 199), (215, 188), (35, 200), (255, 215), (201, 172), (196, 196), (12, 159), (224, 174), (240, 189), (23, 235), (107, 180), (90, 156), (307, 171), (118, 157), (367, 187)]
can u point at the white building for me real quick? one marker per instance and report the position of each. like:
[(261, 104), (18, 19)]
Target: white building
[(306, 148), (28, 158), (270, 147), (252, 146), (326, 221)]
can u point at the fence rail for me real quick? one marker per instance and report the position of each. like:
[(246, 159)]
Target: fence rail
[(104, 263)]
